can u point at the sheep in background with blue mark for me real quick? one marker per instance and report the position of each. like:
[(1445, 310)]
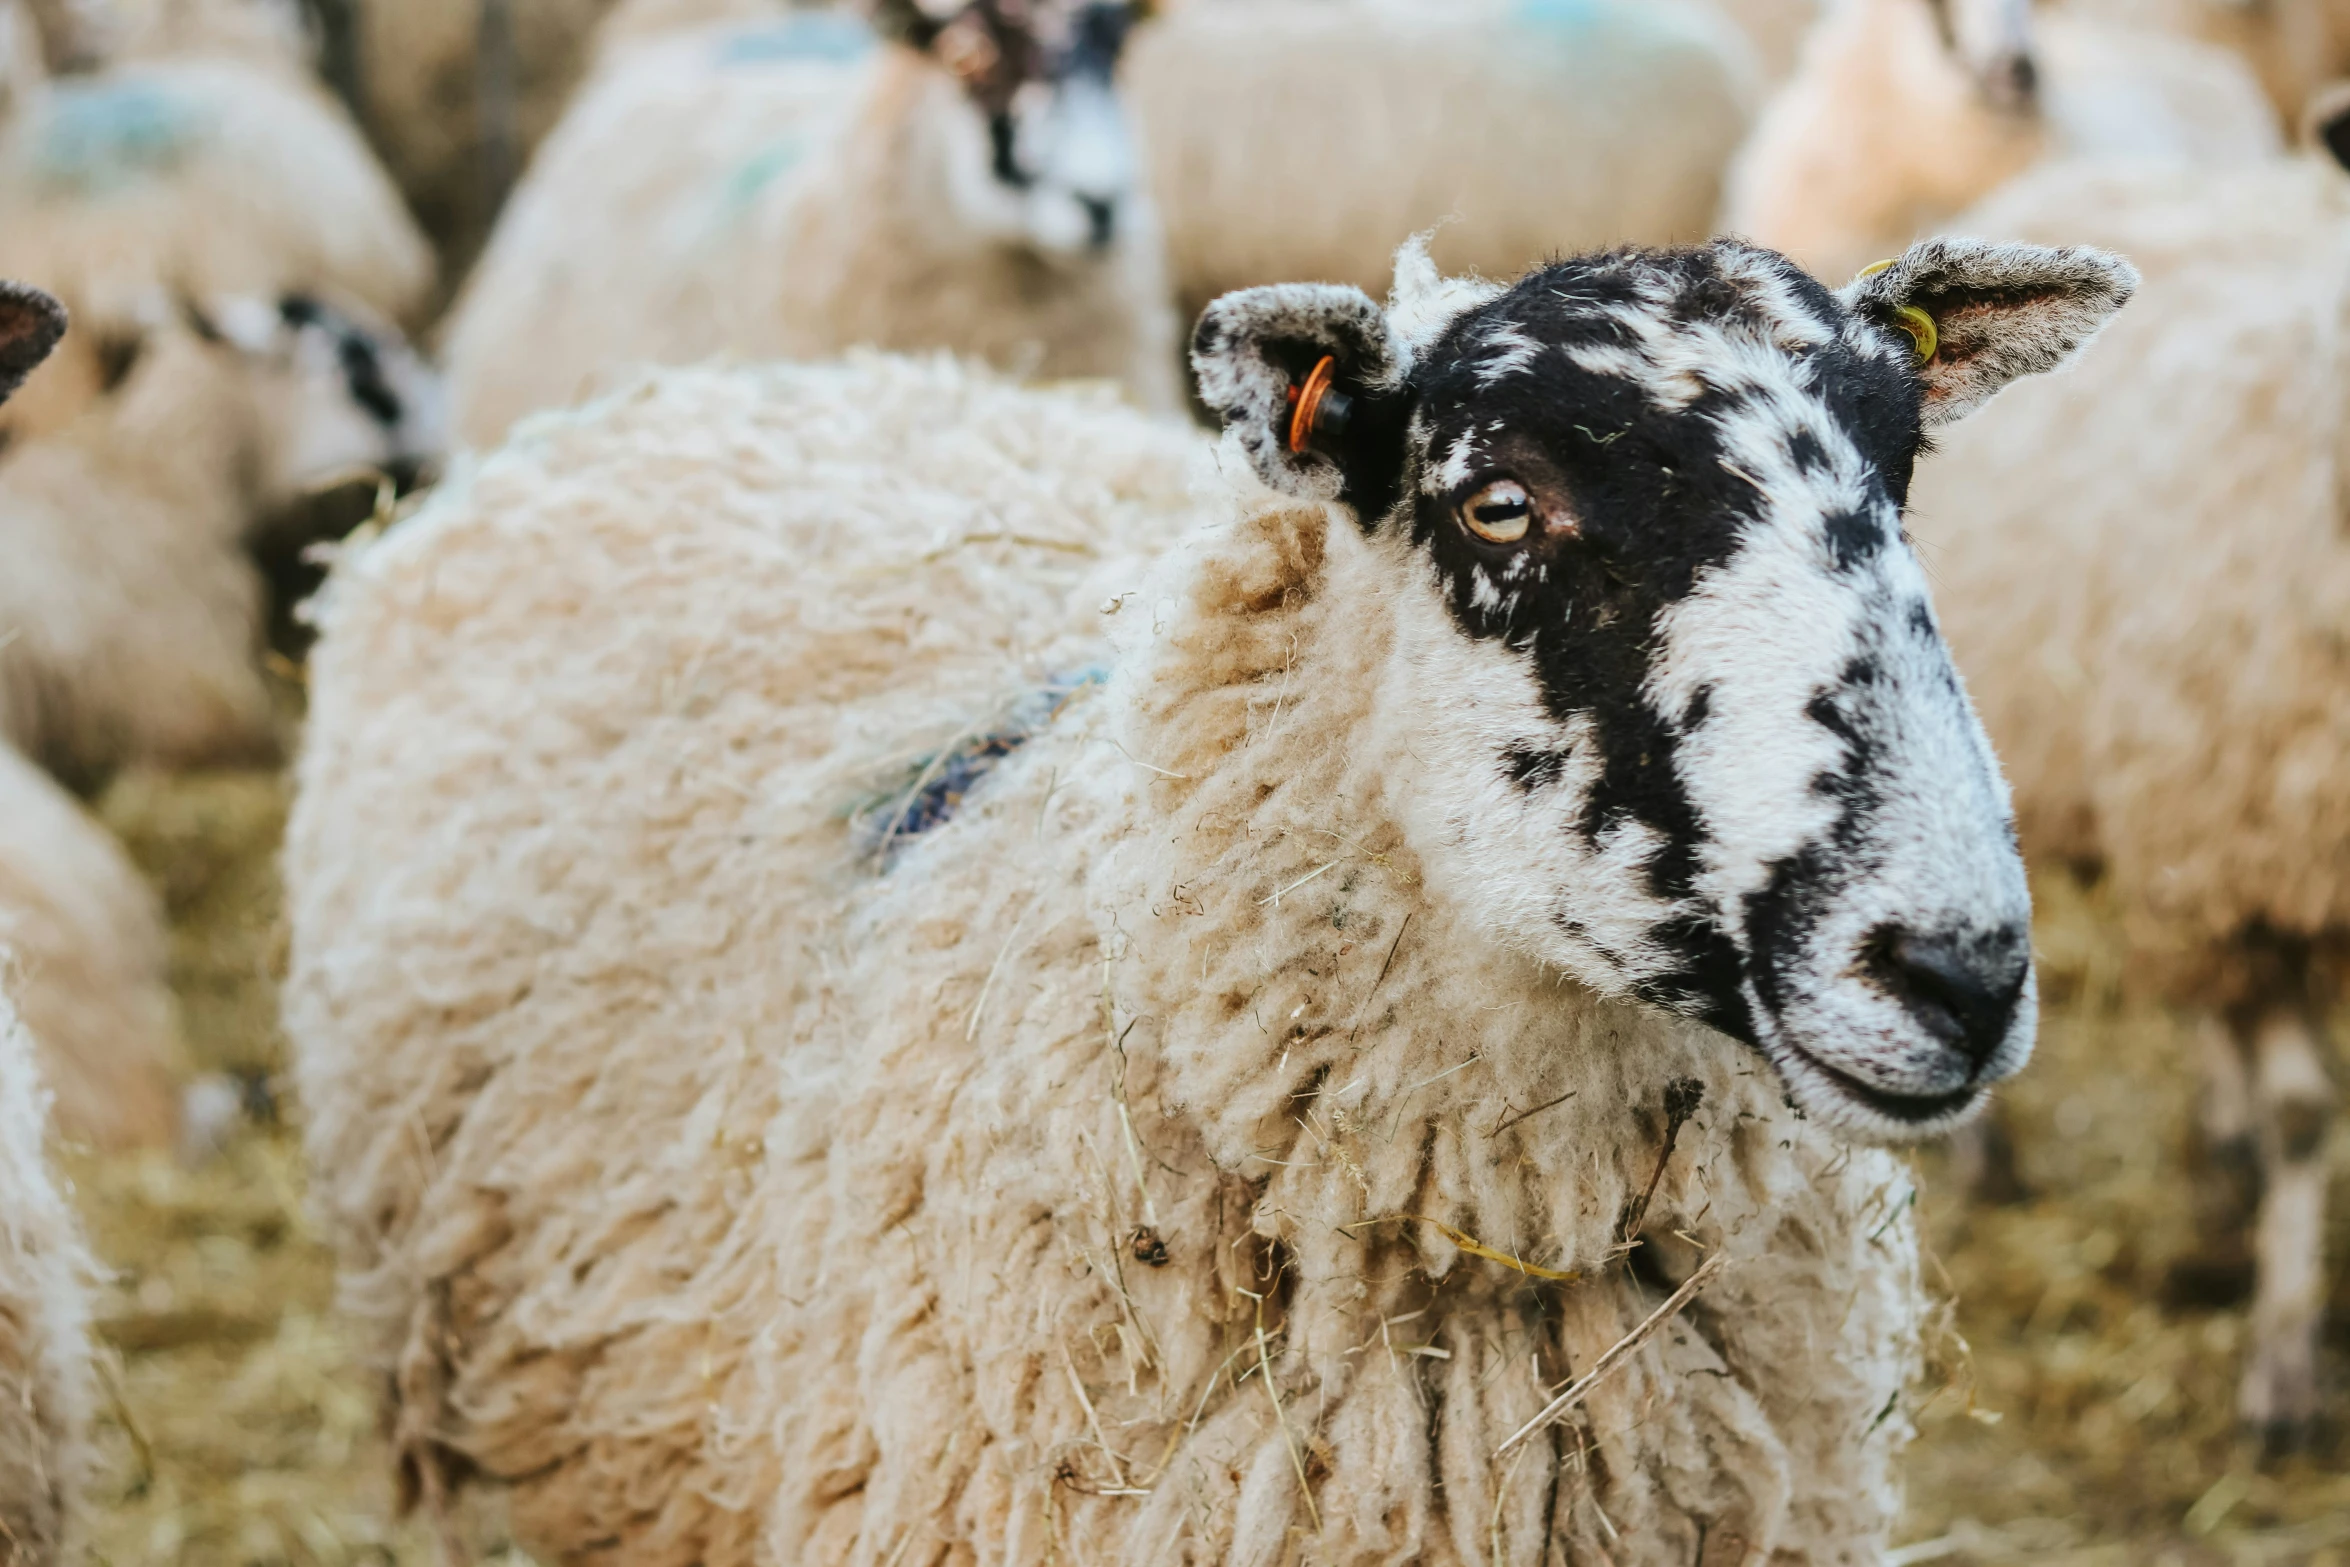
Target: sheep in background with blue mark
[(791, 187)]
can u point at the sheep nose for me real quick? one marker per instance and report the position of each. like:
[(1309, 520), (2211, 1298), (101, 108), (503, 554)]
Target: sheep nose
[(1962, 989), (1101, 216)]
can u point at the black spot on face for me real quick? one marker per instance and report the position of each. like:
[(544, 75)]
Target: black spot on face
[(1532, 769)]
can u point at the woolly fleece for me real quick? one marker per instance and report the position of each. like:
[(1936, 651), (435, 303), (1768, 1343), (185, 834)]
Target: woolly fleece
[(1303, 139), (45, 1380), (769, 192), (2141, 564), (733, 1197)]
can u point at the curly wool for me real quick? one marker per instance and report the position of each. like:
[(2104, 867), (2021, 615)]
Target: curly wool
[(45, 1352), (2141, 565), (1299, 139), (1882, 136), (88, 949), (1086, 1181), (767, 192)]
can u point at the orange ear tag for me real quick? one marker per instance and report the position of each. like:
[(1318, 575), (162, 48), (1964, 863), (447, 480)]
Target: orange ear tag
[(1306, 404)]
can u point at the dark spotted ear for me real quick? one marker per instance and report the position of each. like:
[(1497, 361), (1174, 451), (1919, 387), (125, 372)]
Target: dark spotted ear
[(31, 323), (1310, 376), (1976, 315)]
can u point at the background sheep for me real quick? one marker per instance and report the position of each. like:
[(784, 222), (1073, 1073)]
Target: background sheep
[(1177, 1045), (205, 175), (45, 1378), (2144, 576), (1894, 124), (791, 189), (131, 612), (1300, 138)]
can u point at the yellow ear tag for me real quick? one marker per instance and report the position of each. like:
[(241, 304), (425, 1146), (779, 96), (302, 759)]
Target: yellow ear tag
[(1919, 325)]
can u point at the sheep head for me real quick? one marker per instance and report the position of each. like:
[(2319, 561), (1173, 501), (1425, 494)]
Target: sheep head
[(1688, 726)]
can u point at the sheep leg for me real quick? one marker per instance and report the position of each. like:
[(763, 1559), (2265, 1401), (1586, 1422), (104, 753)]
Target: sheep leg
[(2293, 1106)]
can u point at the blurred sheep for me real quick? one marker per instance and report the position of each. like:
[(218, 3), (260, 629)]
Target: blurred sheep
[(792, 188), (837, 999), (131, 614), (2296, 46), (208, 175), (2144, 570), (1309, 138), (1904, 113)]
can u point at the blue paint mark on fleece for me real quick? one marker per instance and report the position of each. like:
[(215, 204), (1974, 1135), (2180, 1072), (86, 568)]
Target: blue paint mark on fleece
[(760, 170), (936, 785), (103, 136), (813, 35), (1564, 15)]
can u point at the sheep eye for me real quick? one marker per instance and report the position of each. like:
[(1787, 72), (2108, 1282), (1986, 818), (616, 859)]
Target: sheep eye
[(1499, 513)]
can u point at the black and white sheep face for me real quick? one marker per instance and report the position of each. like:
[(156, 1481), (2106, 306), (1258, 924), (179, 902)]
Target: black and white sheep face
[(1040, 152), (339, 394), (1688, 726)]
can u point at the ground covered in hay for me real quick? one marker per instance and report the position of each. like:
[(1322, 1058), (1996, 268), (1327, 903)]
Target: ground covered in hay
[(2080, 1412)]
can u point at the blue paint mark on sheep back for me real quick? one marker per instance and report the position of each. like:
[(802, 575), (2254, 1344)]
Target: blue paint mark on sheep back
[(1564, 15), (814, 35), (934, 788), (102, 136)]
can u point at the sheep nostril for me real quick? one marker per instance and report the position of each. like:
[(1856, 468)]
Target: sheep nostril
[(2012, 81), (1962, 989)]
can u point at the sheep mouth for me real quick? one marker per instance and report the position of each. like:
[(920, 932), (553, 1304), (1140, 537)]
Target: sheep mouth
[(1906, 1109)]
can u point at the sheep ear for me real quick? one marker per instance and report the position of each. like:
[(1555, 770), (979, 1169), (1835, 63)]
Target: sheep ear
[(1978, 315), (1309, 377), (31, 323)]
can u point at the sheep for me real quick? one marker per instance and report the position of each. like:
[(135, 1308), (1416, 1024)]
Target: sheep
[(2145, 579), (811, 1056), (1300, 138), (1776, 28), (794, 189), (2296, 46), (206, 175), (1904, 113), (131, 615), (46, 1386)]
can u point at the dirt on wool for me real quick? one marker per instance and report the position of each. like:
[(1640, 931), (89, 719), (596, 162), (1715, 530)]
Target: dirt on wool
[(2080, 1409)]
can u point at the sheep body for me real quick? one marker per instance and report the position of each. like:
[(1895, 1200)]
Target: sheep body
[(756, 191), (45, 1378), (88, 966), (1301, 139), (700, 1297), (1882, 136)]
